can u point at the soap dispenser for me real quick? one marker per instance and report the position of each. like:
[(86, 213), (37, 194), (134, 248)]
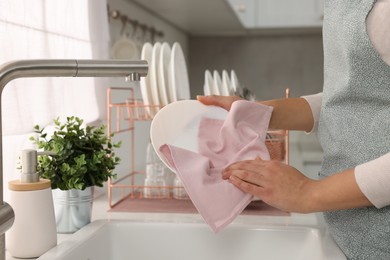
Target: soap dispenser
[(34, 229)]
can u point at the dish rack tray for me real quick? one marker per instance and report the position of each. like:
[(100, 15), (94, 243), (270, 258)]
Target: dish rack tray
[(122, 116)]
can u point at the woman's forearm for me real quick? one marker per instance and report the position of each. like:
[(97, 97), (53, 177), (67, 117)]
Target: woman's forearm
[(337, 192), (290, 114)]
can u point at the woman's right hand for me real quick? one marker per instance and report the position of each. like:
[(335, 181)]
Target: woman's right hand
[(221, 101)]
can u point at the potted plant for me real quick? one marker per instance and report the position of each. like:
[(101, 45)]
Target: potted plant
[(75, 159)]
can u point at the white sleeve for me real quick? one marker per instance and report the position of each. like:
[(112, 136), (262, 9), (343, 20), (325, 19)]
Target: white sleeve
[(315, 106), (373, 179), (378, 29)]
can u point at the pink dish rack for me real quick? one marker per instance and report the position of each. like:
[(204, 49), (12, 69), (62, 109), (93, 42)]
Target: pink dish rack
[(122, 116)]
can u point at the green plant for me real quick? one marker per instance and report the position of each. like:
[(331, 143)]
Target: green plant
[(83, 156)]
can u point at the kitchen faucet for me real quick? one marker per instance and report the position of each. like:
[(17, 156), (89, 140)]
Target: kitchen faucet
[(129, 69)]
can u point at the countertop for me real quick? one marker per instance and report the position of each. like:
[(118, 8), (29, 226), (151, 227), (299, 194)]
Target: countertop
[(101, 207)]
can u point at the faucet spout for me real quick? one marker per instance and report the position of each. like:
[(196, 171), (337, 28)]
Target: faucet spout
[(128, 69), (72, 68)]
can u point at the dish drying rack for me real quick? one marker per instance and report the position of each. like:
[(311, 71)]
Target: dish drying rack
[(122, 116)]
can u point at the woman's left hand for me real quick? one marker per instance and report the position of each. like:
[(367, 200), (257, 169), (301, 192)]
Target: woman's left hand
[(276, 183)]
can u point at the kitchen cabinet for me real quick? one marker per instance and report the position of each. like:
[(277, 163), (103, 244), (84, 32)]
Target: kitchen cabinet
[(257, 14), (245, 10), (287, 13)]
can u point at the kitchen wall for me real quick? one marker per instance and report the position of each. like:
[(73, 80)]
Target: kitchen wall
[(133, 11), (266, 64), (171, 34)]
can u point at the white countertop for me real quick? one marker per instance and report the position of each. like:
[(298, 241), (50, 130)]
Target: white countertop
[(101, 207)]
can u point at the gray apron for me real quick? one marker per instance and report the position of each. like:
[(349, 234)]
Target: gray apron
[(354, 122)]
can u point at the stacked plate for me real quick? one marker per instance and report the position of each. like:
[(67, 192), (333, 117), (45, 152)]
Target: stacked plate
[(167, 80), (221, 84)]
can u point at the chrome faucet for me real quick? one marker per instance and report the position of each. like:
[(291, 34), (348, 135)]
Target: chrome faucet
[(131, 70)]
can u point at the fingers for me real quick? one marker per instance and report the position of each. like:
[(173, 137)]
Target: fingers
[(208, 100), (245, 186), (254, 178), (246, 174), (251, 176), (248, 166), (222, 101), (214, 100)]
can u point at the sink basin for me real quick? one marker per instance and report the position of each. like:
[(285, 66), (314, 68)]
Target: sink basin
[(124, 239)]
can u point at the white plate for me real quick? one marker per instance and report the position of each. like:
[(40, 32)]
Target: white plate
[(177, 124), (217, 83), (235, 83), (146, 92), (162, 70), (178, 73), (208, 83), (226, 84), (153, 73), (206, 90)]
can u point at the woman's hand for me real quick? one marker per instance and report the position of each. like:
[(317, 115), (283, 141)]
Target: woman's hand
[(221, 101), (277, 184), (285, 188)]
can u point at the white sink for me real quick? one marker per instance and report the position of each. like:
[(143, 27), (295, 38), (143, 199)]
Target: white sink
[(126, 239)]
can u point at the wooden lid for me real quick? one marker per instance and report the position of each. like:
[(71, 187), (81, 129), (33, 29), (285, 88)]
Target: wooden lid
[(16, 185)]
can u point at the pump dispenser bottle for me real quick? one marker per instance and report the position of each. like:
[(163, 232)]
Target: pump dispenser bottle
[(34, 229)]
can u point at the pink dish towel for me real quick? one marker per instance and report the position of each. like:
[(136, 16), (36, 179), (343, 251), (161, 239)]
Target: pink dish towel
[(241, 136)]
